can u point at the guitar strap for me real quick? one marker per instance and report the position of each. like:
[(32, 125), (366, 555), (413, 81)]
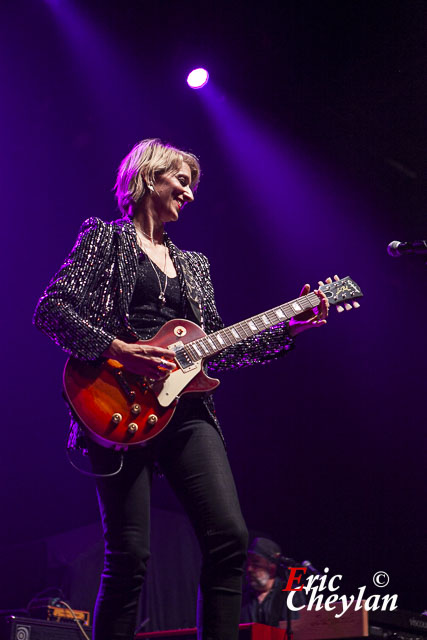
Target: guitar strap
[(193, 293), (188, 284)]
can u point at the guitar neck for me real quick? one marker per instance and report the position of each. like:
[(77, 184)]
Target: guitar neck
[(216, 342)]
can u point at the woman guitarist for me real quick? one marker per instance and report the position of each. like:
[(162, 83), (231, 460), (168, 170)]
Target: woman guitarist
[(121, 282)]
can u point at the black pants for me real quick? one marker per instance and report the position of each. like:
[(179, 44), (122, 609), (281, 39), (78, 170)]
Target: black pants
[(191, 454)]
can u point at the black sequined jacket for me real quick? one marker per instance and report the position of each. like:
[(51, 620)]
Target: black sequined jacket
[(86, 304)]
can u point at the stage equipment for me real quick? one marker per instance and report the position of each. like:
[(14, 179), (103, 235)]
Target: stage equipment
[(58, 613), (250, 631), (322, 625), (197, 78), (398, 249), (387, 625), (18, 628)]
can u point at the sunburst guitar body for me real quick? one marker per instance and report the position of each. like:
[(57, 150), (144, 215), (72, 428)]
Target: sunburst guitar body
[(121, 409)]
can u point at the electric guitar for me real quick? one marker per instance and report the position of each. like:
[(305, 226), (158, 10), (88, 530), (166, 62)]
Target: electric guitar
[(121, 409)]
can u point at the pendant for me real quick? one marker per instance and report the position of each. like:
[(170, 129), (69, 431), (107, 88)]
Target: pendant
[(162, 299)]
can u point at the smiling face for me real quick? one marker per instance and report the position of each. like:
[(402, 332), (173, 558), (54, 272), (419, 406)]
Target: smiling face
[(171, 191)]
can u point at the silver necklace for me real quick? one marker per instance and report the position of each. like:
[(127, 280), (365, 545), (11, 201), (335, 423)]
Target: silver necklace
[(162, 294), (144, 234)]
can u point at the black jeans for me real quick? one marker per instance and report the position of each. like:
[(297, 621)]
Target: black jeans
[(191, 455)]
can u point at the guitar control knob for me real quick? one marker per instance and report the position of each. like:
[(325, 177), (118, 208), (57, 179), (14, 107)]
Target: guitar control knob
[(132, 427), (152, 419), (116, 418), (135, 409)]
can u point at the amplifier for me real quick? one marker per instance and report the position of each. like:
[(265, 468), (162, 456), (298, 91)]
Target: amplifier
[(16, 628), (58, 613)]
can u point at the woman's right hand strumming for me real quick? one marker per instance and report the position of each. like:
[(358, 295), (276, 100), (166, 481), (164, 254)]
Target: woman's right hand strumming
[(143, 359)]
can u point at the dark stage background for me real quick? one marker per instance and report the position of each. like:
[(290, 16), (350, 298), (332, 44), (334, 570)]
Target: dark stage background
[(312, 138)]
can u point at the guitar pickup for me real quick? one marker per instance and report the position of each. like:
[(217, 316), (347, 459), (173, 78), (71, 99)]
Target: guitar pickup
[(123, 383), (182, 358)]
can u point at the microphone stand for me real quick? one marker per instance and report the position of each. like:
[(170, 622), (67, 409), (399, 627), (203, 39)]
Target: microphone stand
[(283, 571), (283, 567)]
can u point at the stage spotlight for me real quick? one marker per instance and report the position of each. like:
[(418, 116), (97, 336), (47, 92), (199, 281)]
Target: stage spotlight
[(197, 78)]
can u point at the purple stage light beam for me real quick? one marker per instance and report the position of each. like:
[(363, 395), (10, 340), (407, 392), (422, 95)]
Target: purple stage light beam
[(197, 78)]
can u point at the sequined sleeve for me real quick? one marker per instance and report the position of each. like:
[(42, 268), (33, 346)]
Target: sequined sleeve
[(65, 310), (268, 345)]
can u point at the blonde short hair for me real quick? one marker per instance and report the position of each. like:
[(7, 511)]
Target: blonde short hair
[(147, 160)]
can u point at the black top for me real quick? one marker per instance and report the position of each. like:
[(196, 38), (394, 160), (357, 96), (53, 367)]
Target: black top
[(146, 312)]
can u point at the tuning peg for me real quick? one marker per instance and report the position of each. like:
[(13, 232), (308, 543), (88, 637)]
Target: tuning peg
[(340, 308), (348, 306)]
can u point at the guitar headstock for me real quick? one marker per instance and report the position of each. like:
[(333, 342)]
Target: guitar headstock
[(342, 291)]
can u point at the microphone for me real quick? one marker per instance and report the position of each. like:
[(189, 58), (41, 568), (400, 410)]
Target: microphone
[(286, 562), (307, 563), (397, 249), (283, 564)]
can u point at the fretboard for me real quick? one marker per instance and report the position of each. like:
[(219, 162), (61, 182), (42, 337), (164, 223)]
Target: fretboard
[(216, 342)]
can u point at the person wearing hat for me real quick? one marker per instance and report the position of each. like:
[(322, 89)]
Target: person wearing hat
[(263, 599)]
